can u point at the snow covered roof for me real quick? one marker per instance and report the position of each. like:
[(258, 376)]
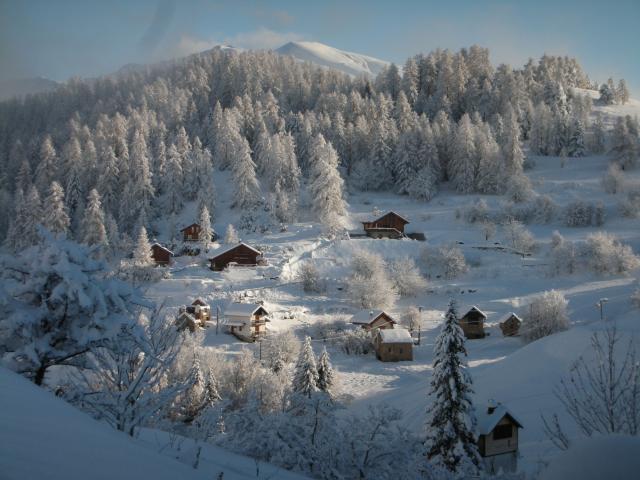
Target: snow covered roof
[(365, 317), (189, 226), (507, 316), (473, 307), (243, 309), (488, 421), (162, 247), (228, 249), (186, 316), (391, 212), (395, 335)]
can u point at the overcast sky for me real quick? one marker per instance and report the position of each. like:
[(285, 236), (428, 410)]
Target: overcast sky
[(59, 39)]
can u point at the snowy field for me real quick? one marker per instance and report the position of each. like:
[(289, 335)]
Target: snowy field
[(505, 369)]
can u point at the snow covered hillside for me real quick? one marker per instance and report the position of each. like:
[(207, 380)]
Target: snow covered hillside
[(44, 437), (330, 57)]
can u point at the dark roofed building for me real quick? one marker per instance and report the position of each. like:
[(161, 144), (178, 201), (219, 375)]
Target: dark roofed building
[(390, 225), (241, 254)]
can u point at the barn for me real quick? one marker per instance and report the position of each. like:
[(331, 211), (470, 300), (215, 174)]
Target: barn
[(161, 255), (373, 319), (390, 225), (510, 324), (472, 323), (192, 233), (498, 438), (241, 254), (247, 321), (393, 345)]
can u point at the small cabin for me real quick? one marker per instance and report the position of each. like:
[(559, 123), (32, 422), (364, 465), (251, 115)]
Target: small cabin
[(372, 320), (510, 324), (498, 438), (161, 255), (390, 225), (247, 321), (241, 254), (472, 323), (192, 233), (393, 345), (186, 321)]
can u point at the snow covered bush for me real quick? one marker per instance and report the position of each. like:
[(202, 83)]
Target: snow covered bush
[(231, 236), (630, 206), (563, 257), (369, 285), (58, 304), (411, 318), (447, 261), (310, 277), (406, 277), (519, 189), (356, 341), (547, 314), (477, 212), (579, 214), (605, 254), (519, 237), (280, 349), (613, 180)]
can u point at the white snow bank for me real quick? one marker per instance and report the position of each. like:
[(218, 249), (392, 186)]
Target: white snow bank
[(614, 456), (42, 436)]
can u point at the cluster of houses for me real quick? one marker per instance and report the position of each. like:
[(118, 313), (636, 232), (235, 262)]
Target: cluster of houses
[(472, 323), (238, 255)]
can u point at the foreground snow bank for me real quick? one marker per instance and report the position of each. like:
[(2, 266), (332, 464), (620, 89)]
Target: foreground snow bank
[(613, 456), (42, 436)]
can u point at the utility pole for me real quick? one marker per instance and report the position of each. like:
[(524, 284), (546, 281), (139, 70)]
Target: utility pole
[(217, 318), (600, 304)]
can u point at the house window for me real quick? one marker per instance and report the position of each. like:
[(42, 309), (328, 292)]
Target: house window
[(240, 328), (400, 350), (389, 350), (502, 431)]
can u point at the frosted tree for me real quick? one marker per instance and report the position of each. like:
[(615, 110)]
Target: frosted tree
[(139, 191), (451, 440), (576, 146), (231, 236), (30, 217), (598, 137), (463, 163), (63, 304), (325, 373), (246, 189), (305, 379), (547, 315), (211, 390), (624, 143), (206, 232), (73, 175), (55, 218), (125, 384), (622, 92), (369, 285), (406, 277), (326, 185), (107, 181), (512, 151), (173, 181), (47, 169), (142, 253), (94, 232)]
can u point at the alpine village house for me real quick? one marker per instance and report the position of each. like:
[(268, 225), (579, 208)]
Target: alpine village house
[(247, 321), (472, 323), (161, 255), (390, 225), (510, 324), (192, 233), (390, 343), (371, 320), (498, 438), (241, 254), (193, 316)]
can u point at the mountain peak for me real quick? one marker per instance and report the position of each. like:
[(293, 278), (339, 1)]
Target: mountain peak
[(320, 54)]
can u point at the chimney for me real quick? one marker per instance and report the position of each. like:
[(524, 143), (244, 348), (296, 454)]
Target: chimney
[(491, 406), (370, 313)]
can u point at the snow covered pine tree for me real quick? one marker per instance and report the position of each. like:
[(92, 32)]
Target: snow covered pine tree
[(451, 439)]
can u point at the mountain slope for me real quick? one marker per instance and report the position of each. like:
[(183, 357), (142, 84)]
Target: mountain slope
[(42, 436), (326, 56), (25, 86)]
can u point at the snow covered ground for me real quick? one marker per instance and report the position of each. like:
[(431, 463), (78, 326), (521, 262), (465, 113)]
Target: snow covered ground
[(42, 436), (505, 369)]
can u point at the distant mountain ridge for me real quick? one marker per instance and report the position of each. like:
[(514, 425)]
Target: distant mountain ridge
[(20, 87), (320, 54)]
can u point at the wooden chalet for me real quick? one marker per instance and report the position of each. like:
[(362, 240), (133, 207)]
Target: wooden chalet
[(372, 320), (247, 321), (192, 233), (472, 323), (161, 255), (186, 320), (393, 344), (498, 438), (241, 254), (390, 225), (510, 324)]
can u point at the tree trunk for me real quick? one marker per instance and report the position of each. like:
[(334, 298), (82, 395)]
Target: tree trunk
[(38, 379)]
